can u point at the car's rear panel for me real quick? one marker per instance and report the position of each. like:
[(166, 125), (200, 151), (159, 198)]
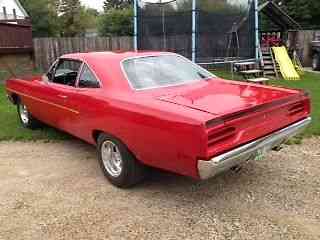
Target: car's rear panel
[(227, 132), (241, 112)]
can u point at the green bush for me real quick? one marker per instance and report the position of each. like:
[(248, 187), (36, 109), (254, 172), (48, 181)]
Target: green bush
[(116, 22)]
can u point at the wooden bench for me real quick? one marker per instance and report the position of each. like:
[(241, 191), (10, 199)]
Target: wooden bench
[(250, 72), (261, 80), (240, 64)]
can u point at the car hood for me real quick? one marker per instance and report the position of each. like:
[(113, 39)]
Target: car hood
[(222, 97)]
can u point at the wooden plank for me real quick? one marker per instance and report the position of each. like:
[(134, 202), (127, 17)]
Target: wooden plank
[(258, 80), (48, 49), (254, 71), (245, 63)]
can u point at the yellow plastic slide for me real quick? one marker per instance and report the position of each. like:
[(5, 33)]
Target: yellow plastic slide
[(287, 68)]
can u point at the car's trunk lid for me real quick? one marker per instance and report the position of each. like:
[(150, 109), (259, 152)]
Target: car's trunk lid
[(222, 97), (241, 112)]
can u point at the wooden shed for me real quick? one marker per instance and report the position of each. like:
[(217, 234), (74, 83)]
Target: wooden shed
[(16, 46)]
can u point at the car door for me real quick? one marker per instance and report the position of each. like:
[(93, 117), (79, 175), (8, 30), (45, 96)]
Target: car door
[(62, 85), (43, 102), (86, 98)]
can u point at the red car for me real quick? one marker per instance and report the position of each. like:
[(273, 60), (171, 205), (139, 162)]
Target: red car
[(160, 110)]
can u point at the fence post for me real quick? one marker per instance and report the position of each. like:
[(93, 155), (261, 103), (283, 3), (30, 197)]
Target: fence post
[(135, 20), (256, 16), (194, 29)]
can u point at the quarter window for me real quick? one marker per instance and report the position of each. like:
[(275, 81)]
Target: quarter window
[(87, 78)]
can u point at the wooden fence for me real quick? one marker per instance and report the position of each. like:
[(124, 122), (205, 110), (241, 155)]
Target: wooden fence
[(303, 40), (46, 50)]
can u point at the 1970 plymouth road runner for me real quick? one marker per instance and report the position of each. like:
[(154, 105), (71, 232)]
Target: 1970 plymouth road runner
[(158, 109)]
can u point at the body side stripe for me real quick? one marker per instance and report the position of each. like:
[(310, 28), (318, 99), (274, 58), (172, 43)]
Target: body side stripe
[(43, 101)]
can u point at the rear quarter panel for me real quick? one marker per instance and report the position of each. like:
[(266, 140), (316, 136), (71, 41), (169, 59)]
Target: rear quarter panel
[(157, 137)]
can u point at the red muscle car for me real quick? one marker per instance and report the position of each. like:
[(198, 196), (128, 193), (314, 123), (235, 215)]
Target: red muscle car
[(160, 110)]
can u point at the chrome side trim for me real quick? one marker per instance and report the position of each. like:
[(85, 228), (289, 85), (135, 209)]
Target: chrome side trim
[(249, 151)]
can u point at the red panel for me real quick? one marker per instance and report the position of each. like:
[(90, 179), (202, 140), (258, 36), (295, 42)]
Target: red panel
[(168, 127)]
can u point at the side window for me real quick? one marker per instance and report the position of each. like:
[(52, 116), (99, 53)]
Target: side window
[(87, 78), (66, 72)]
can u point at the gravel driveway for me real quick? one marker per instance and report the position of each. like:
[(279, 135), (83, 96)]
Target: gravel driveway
[(57, 191)]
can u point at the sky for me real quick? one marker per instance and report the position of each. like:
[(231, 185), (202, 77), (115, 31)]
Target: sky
[(97, 4)]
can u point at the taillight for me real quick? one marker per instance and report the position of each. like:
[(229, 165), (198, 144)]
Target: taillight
[(299, 107), (296, 108), (219, 135)]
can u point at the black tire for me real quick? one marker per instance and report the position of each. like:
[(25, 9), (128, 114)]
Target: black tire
[(132, 171), (316, 62), (25, 117)]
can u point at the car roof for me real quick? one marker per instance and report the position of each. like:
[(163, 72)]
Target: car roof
[(116, 56), (107, 67)]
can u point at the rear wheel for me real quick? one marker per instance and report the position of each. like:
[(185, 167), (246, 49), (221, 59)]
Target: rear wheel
[(316, 62), (118, 164), (25, 117)]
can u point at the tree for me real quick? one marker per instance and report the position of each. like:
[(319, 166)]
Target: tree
[(307, 13), (116, 22), (116, 4), (44, 17), (70, 11), (92, 12), (88, 18)]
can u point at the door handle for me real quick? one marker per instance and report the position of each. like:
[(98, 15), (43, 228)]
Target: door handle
[(63, 96)]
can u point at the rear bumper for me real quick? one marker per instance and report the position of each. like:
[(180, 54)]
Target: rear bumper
[(249, 151)]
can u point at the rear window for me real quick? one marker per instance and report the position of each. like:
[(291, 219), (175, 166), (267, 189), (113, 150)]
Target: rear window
[(162, 71)]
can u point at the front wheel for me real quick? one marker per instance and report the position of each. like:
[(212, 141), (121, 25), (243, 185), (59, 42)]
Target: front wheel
[(25, 117), (316, 62), (118, 164)]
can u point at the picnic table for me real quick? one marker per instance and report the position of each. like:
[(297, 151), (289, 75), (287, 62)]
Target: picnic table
[(250, 73)]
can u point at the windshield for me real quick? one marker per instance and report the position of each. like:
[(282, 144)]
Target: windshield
[(162, 71)]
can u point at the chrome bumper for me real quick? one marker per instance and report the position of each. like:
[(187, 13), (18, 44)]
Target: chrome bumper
[(249, 151)]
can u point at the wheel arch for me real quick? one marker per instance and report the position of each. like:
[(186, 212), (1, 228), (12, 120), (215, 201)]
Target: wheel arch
[(95, 135), (14, 98), (97, 132)]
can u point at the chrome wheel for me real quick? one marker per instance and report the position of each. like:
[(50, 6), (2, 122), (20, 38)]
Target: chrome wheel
[(111, 158), (24, 115)]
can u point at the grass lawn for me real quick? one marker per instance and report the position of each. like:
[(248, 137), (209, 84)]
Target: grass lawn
[(11, 128)]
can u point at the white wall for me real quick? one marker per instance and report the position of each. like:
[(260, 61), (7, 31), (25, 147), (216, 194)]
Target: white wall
[(10, 5)]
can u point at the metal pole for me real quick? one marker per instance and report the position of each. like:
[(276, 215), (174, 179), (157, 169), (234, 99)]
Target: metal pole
[(194, 29), (135, 21), (163, 28), (257, 29)]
